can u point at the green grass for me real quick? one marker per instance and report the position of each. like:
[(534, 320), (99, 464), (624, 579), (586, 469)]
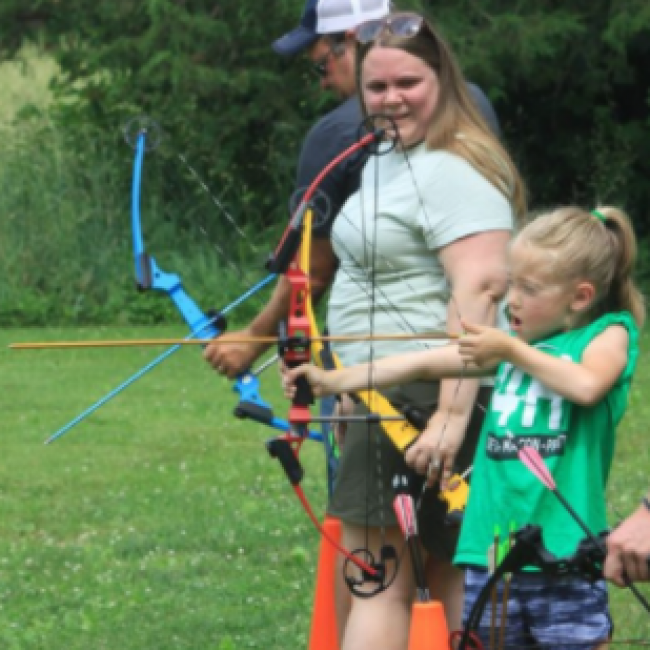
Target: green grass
[(160, 522)]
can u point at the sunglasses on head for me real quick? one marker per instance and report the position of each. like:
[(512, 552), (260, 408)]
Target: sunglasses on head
[(405, 25)]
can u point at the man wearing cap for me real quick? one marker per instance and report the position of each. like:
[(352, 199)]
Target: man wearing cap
[(325, 34)]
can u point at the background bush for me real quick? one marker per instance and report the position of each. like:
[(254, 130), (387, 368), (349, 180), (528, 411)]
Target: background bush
[(569, 81)]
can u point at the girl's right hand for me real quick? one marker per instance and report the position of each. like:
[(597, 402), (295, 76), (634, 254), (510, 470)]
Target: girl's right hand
[(316, 377)]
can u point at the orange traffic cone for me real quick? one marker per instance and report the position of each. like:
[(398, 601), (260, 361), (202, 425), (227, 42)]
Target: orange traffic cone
[(324, 632), (428, 627)]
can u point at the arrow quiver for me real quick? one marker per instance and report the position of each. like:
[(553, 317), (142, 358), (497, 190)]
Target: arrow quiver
[(528, 551)]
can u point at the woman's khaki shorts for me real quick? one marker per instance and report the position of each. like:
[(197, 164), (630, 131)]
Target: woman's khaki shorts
[(363, 493)]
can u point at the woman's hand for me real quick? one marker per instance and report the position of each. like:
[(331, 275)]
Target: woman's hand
[(483, 346), (434, 452)]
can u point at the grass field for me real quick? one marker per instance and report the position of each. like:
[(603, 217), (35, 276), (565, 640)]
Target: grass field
[(161, 522)]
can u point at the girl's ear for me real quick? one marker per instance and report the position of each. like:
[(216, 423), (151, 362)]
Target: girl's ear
[(583, 297)]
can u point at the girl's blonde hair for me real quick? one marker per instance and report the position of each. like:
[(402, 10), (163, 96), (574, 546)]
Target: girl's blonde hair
[(457, 125), (599, 247)]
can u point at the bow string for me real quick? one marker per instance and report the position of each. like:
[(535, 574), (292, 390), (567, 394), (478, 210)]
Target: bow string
[(299, 342)]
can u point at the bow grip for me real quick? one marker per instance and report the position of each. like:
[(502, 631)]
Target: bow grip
[(294, 353), (304, 394)]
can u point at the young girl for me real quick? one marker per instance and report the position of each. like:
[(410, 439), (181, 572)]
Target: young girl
[(563, 377)]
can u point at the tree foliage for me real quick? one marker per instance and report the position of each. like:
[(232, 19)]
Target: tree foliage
[(569, 79), (204, 70)]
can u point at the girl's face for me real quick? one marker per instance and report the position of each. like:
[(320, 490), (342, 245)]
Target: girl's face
[(402, 86), (539, 302)]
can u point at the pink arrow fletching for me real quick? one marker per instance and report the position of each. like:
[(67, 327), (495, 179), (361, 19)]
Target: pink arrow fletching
[(405, 511), (530, 457)]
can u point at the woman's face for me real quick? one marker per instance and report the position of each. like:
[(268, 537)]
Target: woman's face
[(402, 86)]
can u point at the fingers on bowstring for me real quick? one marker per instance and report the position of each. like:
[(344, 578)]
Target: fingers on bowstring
[(434, 469), (446, 475)]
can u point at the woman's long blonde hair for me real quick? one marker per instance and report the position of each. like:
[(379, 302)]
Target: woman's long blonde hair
[(457, 125)]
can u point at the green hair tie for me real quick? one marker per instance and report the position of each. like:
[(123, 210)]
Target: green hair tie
[(599, 215)]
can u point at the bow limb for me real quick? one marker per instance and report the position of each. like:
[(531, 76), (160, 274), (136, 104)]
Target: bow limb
[(150, 276), (144, 134)]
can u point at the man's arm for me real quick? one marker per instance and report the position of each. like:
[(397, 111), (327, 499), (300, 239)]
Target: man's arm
[(231, 359), (324, 142)]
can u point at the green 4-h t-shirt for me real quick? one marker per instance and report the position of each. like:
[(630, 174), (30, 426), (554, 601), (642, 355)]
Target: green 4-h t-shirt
[(576, 443)]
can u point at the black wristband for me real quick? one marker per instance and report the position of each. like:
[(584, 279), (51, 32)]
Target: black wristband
[(646, 502)]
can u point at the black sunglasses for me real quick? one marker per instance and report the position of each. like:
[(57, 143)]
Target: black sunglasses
[(320, 66)]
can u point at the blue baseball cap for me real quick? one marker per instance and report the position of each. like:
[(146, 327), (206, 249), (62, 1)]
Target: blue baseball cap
[(321, 17), (301, 37)]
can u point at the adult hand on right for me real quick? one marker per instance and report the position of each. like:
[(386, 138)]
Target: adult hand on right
[(628, 549), (232, 359)]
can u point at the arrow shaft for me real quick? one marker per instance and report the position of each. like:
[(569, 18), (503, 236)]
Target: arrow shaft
[(134, 343)]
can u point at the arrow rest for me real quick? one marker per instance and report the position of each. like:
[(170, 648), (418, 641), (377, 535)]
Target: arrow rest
[(294, 351)]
